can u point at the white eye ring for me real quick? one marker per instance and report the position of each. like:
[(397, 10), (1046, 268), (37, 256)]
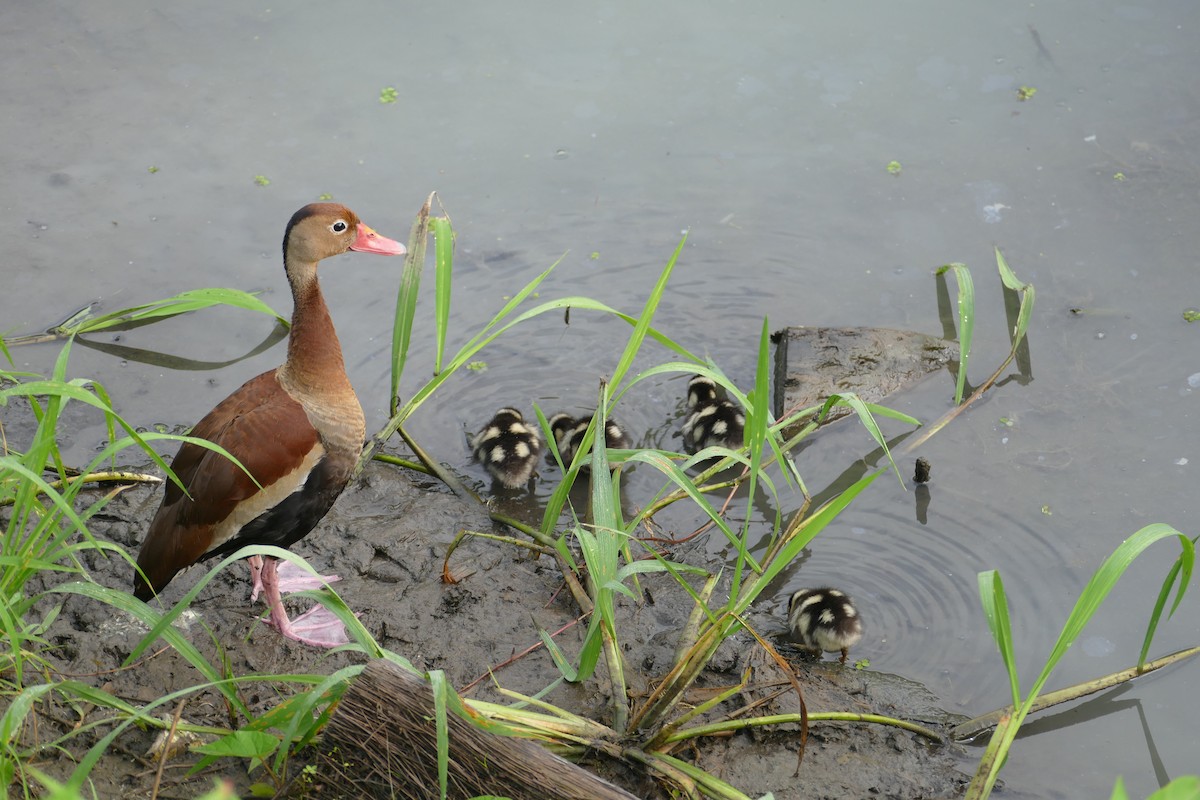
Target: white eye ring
[(339, 226)]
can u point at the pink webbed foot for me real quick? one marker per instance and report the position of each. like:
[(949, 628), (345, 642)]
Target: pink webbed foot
[(318, 626), (291, 578), (297, 579)]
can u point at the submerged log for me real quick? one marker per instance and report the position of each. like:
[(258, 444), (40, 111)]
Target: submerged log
[(382, 743), (813, 363)]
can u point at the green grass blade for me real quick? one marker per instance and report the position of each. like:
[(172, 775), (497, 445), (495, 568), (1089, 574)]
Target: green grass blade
[(758, 420), (406, 299), (1180, 572), (966, 321), (1085, 608), (642, 325), (558, 656), (182, 303), (443, 237), (440, 688), (1010, 280), (1102, 583), (995, 609)]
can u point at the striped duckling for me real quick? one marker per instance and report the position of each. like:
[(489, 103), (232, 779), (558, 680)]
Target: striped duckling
[(508, 448), (824, 619), (712, 422), (568, 433)]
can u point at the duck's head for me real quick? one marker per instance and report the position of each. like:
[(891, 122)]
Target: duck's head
[(701, 390), (561, 426), (322, 230)]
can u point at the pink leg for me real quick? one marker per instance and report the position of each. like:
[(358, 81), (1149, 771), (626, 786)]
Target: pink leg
[(256, 585), (318, 626), (291, 578)]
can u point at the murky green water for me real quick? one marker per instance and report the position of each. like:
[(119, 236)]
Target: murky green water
[(607, 129)]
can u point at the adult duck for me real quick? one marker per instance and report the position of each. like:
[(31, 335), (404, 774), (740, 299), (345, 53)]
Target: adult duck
[(297, 429)]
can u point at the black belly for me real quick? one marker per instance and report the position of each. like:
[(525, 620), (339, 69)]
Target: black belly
[(293, 518)]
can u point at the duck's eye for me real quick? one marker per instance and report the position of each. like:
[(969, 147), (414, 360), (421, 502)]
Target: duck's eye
[(339, 226)]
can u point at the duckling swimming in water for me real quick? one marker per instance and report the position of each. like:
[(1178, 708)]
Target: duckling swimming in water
[(508, 448), (825, 619), (712, 422), (568, 433)]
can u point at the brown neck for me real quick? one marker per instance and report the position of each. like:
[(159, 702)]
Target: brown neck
[(314, 358)]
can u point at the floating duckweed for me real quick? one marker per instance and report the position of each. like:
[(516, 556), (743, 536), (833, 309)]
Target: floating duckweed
[(325, 196), (152, 170), (1026, 92), (894, 167), (388, 94), (478, 366), (1118, 176), (262, 180)]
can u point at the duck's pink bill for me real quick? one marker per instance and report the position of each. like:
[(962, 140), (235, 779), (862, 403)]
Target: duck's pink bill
[(368, 241)]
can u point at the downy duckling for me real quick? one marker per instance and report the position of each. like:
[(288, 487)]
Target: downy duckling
[(824, 619), (568, 433), (508, 448), (712, 422)]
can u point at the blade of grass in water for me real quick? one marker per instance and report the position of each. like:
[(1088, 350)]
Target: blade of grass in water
[(642, 326), (406, 299), (758, 420), (1010, 280), (966, 321), (155, 311), (443, 237), (1097, 589)]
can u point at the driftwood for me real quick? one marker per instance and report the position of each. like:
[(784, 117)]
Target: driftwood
[(813, 363), (382, 743)]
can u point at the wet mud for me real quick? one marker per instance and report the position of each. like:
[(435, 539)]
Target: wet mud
[(386, 538)]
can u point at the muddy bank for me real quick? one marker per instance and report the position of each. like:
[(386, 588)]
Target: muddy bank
[(386, 538)]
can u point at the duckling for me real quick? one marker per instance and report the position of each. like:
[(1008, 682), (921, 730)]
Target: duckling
[(568, 433), (825, 619), (508, 448), (711, 421)]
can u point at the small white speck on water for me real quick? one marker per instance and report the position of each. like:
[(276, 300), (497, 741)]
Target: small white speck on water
[(1193, 380), (1100, 334), (1181, 462)]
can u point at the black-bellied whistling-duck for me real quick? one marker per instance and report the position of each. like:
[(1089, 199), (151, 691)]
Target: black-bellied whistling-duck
[(568, 434), (298, 429), (824, 619), (711, 421), (508, 448)]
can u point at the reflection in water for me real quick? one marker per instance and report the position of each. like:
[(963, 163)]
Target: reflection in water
[(168, 361)]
